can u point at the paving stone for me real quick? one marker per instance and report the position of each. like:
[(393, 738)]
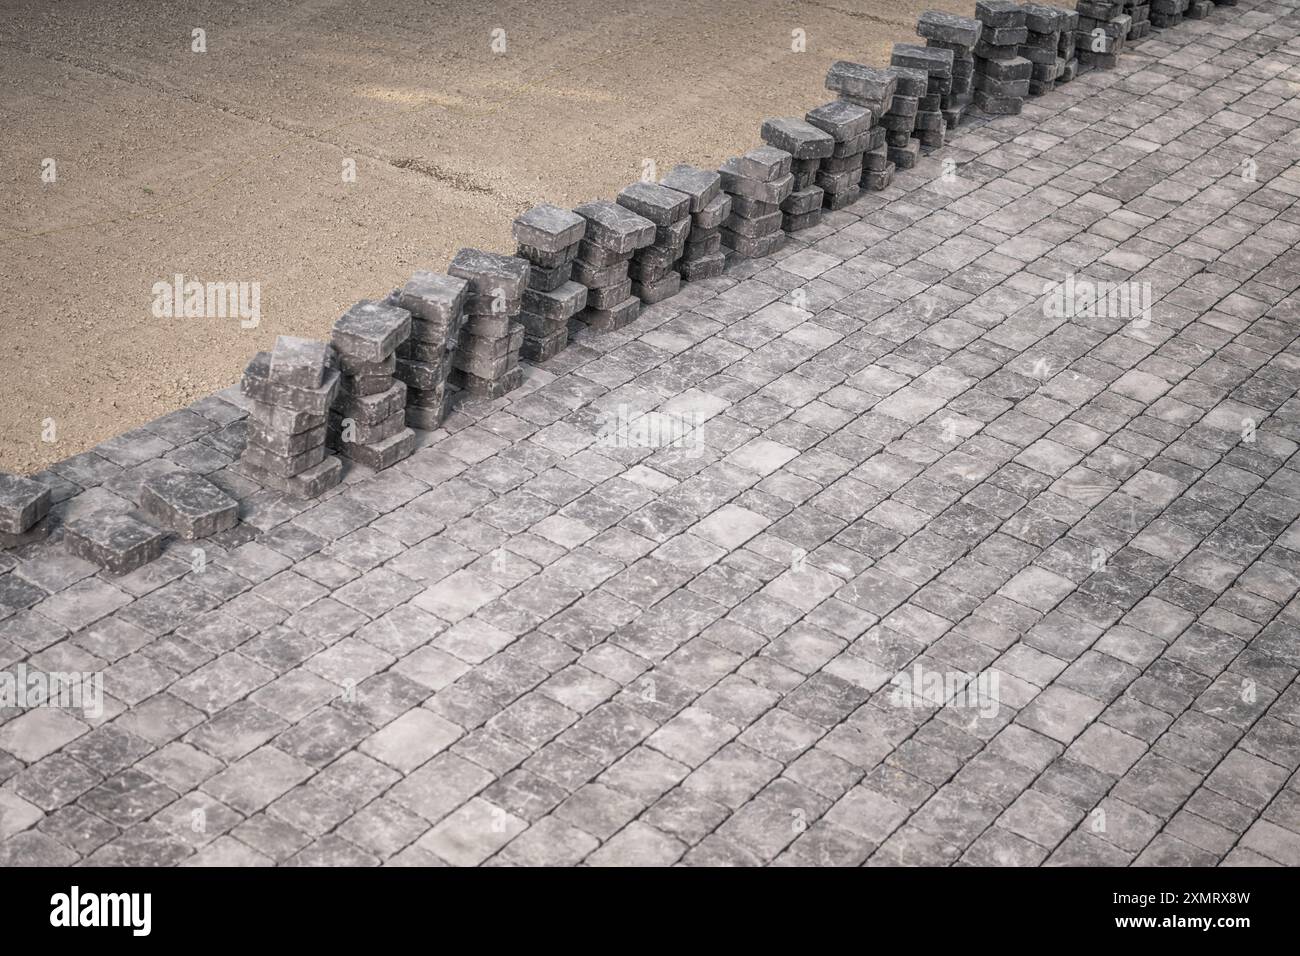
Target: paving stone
[(23, 502), (188, 505), (118, 543)]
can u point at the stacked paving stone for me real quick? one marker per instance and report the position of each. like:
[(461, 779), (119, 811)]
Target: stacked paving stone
[(436, 306), (548, 238), (24, 505), (758, 182), (929, 127), (851, 131), (291, 389), (188, 505), (653, 267), (1067, 61), (709, 208), (486, 361), (1001, 73), (871, 89), (810, 149), (1043, 25), (1163, 13), (1139, 14), (368, 417), (1102, 50), (614, 234), (946, 31), (899, 121)]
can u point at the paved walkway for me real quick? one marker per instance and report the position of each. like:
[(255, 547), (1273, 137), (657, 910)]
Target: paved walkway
[(540, 640)]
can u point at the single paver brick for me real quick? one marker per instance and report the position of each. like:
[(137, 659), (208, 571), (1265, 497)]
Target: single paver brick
[(118, 543), (23, 502), (189, 505)]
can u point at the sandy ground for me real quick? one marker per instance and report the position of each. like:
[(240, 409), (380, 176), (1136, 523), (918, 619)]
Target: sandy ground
[(228, 165)]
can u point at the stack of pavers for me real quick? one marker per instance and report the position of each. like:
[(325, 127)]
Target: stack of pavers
[(614, 234), (1139, 13), (1067, 62), (851, 131), (929, 128), (710, 206), (653, 268), (758, 182), (291, 389), (1001, 73), (1163, 14), (899, 120), (368, 417), (871, 89), (436, 306), (810, 149), (1043, 26), (24, 505), (946, 31), (1101, 50), (486, 361), (548, 238)]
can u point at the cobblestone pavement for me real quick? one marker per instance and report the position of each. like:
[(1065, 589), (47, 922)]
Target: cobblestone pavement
[(541, 639)]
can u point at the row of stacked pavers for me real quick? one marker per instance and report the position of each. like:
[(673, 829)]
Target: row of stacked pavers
[(702, 257), (395, 363), (871, 89), (549, 238)]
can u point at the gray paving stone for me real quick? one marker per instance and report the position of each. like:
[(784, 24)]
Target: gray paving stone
[(23, 502), (188, 505), (119, 543)]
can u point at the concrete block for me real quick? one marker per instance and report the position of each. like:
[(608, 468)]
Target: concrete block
[(659, 204), (615, 227), (260, 387), (799, 138), (491, 276), (844, 121), (701, 185), (862, 81), (370, 332), (118, 543), (188, 505), (299, 362), (549, 228), (23, 503)]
